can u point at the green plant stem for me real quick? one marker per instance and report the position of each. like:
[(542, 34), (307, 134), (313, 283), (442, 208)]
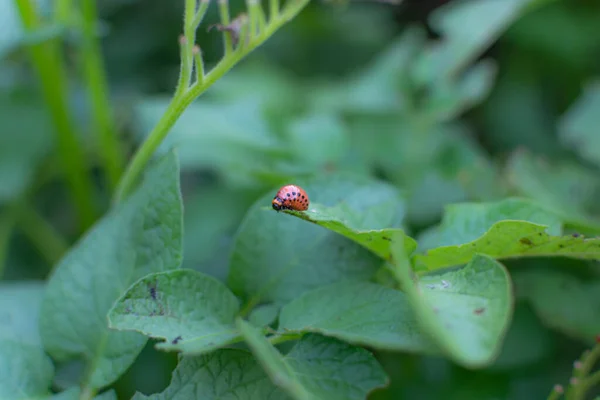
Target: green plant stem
[(183, 99), (50, 243), (7, 223), (93, 71), (285, 337), (50, 69), (225, 20)]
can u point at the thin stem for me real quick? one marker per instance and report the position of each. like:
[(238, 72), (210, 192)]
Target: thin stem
[(201, 12), (51, 72), (93, 71), (199, 63), (225, 21), (7, 222), (182, 100), (273, 9), (557, 391), (284, 337), (253, 16), (589, 382), (50, 243), (184, 72)]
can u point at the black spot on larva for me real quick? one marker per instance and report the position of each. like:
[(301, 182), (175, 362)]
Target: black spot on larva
[(177, 339), (479, 311), (386, 238), (526, 241), (287, 194), (561, 246), (576, 235), (293, 193)]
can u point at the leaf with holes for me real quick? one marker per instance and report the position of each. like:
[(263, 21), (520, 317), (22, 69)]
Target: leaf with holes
[(317, 367), (141, 236), (193, 312), (362, 313)]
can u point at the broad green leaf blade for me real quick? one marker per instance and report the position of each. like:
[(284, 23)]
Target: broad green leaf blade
[(74, 393), (222, 374), (232, 137), (578, 128), (468, 27), (141, 236), (527, 341), (344, 221), (563, 302), (25, 371), (277, 257), (317, 367), (568, 188), (20, 304), (358, 312), (450, 98), (465, 311), (465, 222), (193, 312), (510, 239)]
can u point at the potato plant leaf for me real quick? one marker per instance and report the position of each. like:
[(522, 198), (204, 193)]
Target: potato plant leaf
[(510, 239), (362, 313), (141, 236), (193, 312), (277, 257), (466, 311), (224, 373), (562, 301), (341, 219), (25, 371), (317, 367)]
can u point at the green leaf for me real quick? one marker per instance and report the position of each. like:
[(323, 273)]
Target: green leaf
[(527, 341), (24, 141), (232, 137), (193, 312), (74, 393), (466, 222), (562, 301), (361, 313), (318, 140), (578, 128), (567, 187), (377, 88), (19, 311), (25, 371), (466, 311), (222, 374), (143, 235), (317, 367), (345, 221), (449, 98), (468, 27), (212, 215), (510, 239), (277, 257)]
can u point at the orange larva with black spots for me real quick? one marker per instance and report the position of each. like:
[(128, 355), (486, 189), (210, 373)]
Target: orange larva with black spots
[(291, 197)]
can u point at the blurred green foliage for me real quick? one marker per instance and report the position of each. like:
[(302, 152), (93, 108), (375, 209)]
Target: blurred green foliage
[(467, 102)]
